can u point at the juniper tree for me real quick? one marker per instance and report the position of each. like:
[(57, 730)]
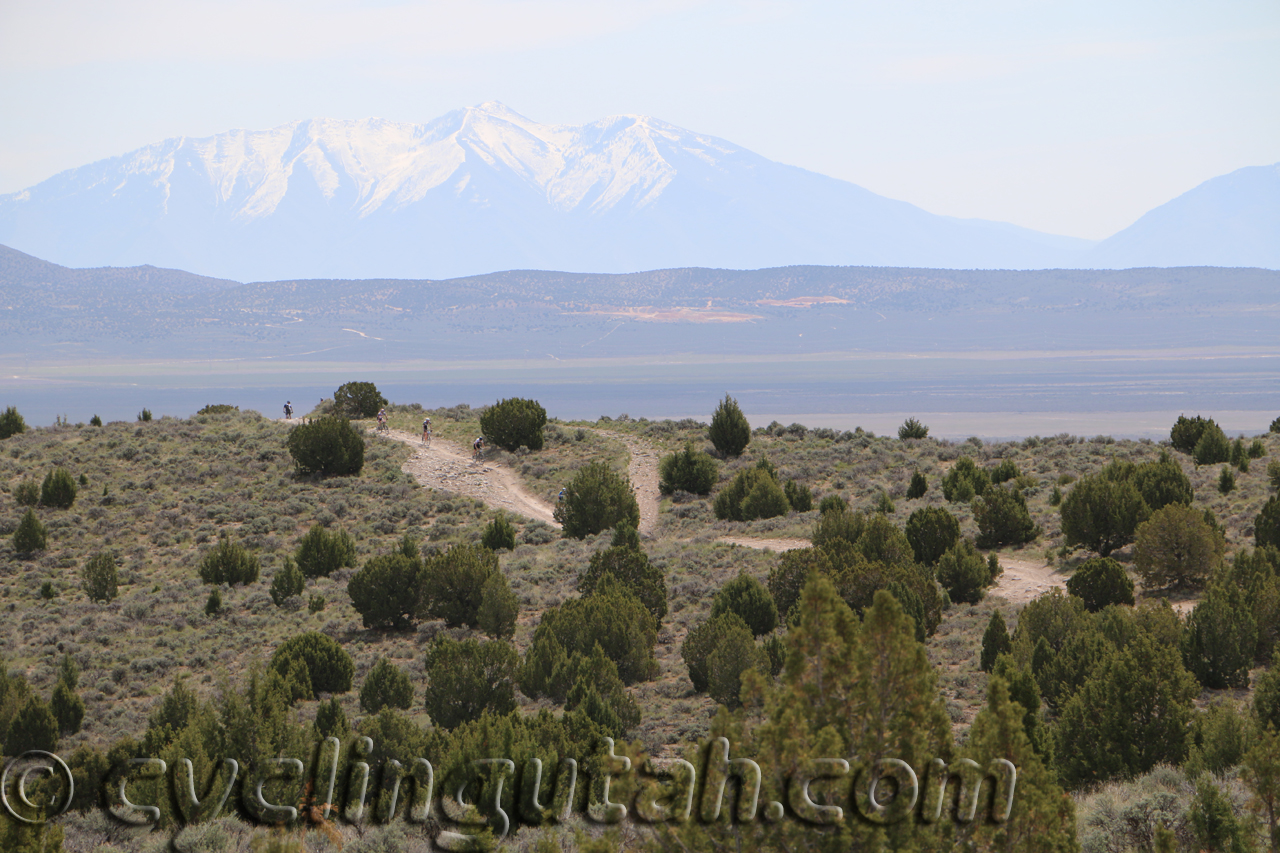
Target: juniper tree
[(729, 431)]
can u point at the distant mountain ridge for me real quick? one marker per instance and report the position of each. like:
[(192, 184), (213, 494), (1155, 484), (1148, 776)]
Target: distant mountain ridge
[(145, 312), (1230, 221), (480, 190), (485, 189)]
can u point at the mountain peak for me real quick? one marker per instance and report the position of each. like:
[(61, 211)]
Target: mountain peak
[(485, 188)]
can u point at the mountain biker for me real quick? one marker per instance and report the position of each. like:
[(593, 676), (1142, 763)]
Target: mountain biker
[(478, 446), (382, 419), (288, 410), (426, 431)]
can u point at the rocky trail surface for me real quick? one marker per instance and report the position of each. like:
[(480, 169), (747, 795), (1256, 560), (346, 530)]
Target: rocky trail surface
[(448, 467), (1022, 580)]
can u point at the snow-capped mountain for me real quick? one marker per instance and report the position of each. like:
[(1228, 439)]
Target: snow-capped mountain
[(478, 190)]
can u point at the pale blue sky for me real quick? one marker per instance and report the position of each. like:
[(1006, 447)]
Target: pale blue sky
[(1068, 117)]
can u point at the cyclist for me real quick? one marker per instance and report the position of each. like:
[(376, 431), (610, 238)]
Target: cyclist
[(561, 497), (478, 446), (288, 410), (426, 431), (382, 420)]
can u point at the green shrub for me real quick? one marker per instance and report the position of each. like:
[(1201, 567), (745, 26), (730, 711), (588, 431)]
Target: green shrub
[(610, 616), (145, 415), (729, 432), (932, 531), (213, 604), (1176, 547), (1218, 644), (11, 423), (995, 642), (1213, 820), (1226, 481), (1273, 473), (32, 727), (963, 573), (499, 534), (919, 485), (595, 500), (752, 493), (453, 583), (327, 666), (58, 489), (1003, 518), (1240, 455), (964, 481), (31, 535), (321, 553), (1006, 470), (1213, 446), (386, 686), (467, 678), (218, 409), (1266, 525), (1107, 730), (1161, 482), (884, 504), (702, 641), (599, 694), (687, 470), (1257, 449), (799, 496), (358, 400), (747, 597), (1275, 425), (1186, 432), (100, 579), (229, 563), (734, 654), (832, 503), (630, 566), (1266, 697), (315, 604), (95, 421), (331, 721), (1102, 513), (514, 423), (499, 607), (912, 428), (328, 446), (1101, 582), (287, 582), (387, 592), (67, 708), (26, 493)]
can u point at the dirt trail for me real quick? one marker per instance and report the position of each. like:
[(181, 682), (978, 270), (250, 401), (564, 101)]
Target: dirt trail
[(1023, 580), (642, 469), (763, 544), (448, 467)]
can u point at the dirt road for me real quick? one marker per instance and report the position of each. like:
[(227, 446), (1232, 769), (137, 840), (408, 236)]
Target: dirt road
[(763, 544), (449, 467), (1023, 580), (642, 469)]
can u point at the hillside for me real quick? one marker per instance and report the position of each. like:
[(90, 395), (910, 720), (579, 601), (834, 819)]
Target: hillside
[(142, 310), (159, 494)]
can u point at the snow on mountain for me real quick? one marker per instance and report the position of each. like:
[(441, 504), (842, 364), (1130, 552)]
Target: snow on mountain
[(477, 190)]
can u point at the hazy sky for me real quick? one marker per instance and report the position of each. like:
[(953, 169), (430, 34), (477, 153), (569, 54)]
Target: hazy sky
[(1069, 117)]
